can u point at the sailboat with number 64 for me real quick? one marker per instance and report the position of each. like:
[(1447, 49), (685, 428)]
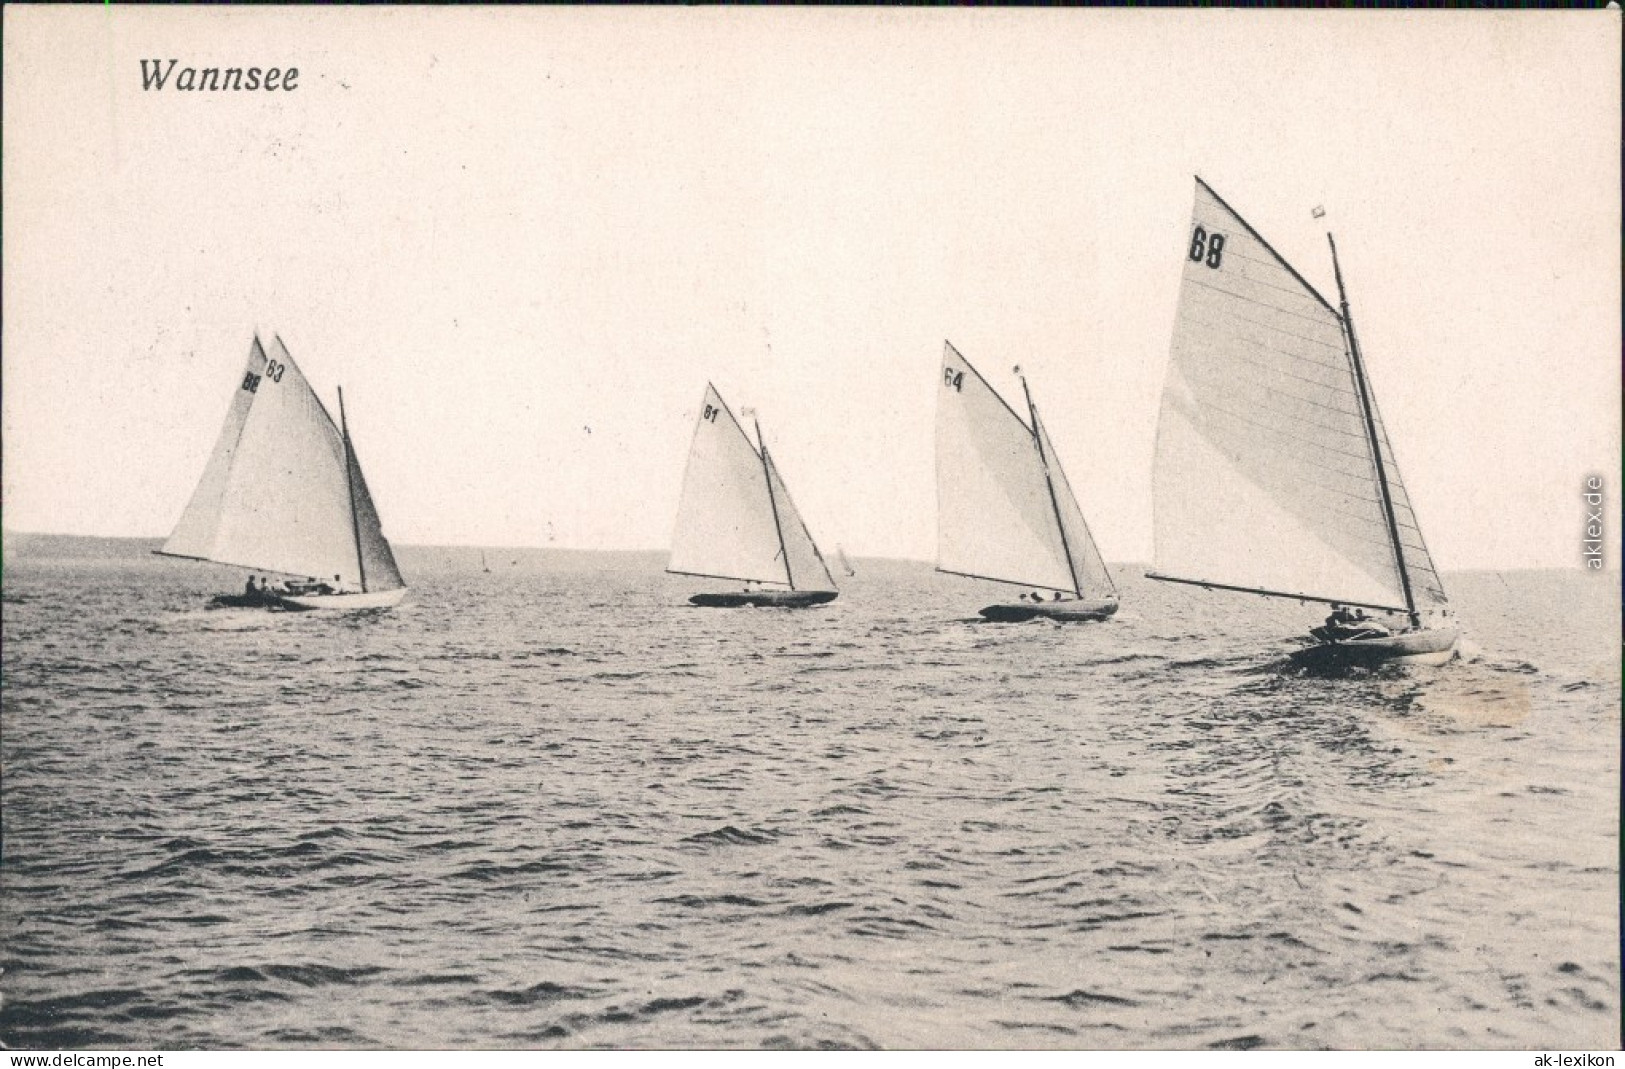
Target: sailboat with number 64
[(1005, 511)]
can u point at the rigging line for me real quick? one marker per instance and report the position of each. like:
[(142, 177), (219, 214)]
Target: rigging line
[(1262, 384), (1316, 426), (1248, 339), (1278, 432), (980, 378), (1399, 481), (1260, 323), (321, 406), (1325, 508), (1260, 239), (1216, 288), (1213, 292), (1261, 354), (1088, 535), (1371, 427), (1280, 469), (350, 468), (740, 427), (730, 578), (1007, 582), (767, 474), (1260, 473), (1280, 410), (790, 503), (1090, 552), (1055, 502), (1282, 432), (1274, 369), (1351, 602), (1253, 280)]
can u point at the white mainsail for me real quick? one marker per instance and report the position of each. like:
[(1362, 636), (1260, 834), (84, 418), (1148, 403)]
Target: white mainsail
[(282, 490), (1004, 508), (735, 519), (1266, 478)]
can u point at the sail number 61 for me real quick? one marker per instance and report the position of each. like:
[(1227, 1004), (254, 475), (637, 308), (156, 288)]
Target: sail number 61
[(710, 414), (1207, 247)]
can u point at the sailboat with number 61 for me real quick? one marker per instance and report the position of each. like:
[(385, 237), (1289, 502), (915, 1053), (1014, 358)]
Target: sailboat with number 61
[(735, 520)]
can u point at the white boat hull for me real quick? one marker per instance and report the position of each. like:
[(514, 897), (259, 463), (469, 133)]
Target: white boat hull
[(371, 599), (1427, 647)]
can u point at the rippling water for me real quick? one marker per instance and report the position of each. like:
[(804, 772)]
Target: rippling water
[(554, 806)]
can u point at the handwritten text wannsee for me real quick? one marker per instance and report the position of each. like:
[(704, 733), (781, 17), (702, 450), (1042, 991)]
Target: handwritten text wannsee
[(155, 76)]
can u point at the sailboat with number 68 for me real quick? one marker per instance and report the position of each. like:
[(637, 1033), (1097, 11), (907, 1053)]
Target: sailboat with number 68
[(1274, 473), (283, 494)]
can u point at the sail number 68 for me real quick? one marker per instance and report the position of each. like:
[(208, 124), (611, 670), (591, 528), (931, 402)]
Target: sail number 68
[(1208, 247)]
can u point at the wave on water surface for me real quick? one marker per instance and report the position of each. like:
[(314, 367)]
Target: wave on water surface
[(555, 806)]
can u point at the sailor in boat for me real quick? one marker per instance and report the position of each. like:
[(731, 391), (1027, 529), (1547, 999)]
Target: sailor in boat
[(1345, 624)]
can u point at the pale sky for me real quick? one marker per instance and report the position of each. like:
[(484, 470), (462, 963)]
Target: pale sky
[(523, 240)]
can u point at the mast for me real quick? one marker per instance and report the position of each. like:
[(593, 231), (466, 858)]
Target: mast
[(349, 484), (778, 528), (1055, 503), (1371, 435)]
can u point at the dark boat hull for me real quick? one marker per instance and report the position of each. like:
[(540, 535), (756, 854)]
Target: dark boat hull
[(1062, 611), (764, 599), (1430, 647), (243, 601)]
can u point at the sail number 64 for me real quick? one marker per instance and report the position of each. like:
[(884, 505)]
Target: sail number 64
[(1207, 247), (955, 379)]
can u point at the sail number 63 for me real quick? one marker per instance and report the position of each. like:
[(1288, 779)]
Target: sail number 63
[(273, 371), (1207, 247)]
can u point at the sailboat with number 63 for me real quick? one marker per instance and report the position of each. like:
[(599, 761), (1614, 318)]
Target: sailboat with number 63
[(283, 494), (1274, 473)]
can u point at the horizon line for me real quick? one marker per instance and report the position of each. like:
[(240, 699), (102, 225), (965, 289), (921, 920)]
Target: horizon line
[(8, 533)]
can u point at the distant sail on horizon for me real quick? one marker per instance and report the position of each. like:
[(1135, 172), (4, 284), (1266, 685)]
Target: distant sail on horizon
[(1005, 510), (1266, 475)]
